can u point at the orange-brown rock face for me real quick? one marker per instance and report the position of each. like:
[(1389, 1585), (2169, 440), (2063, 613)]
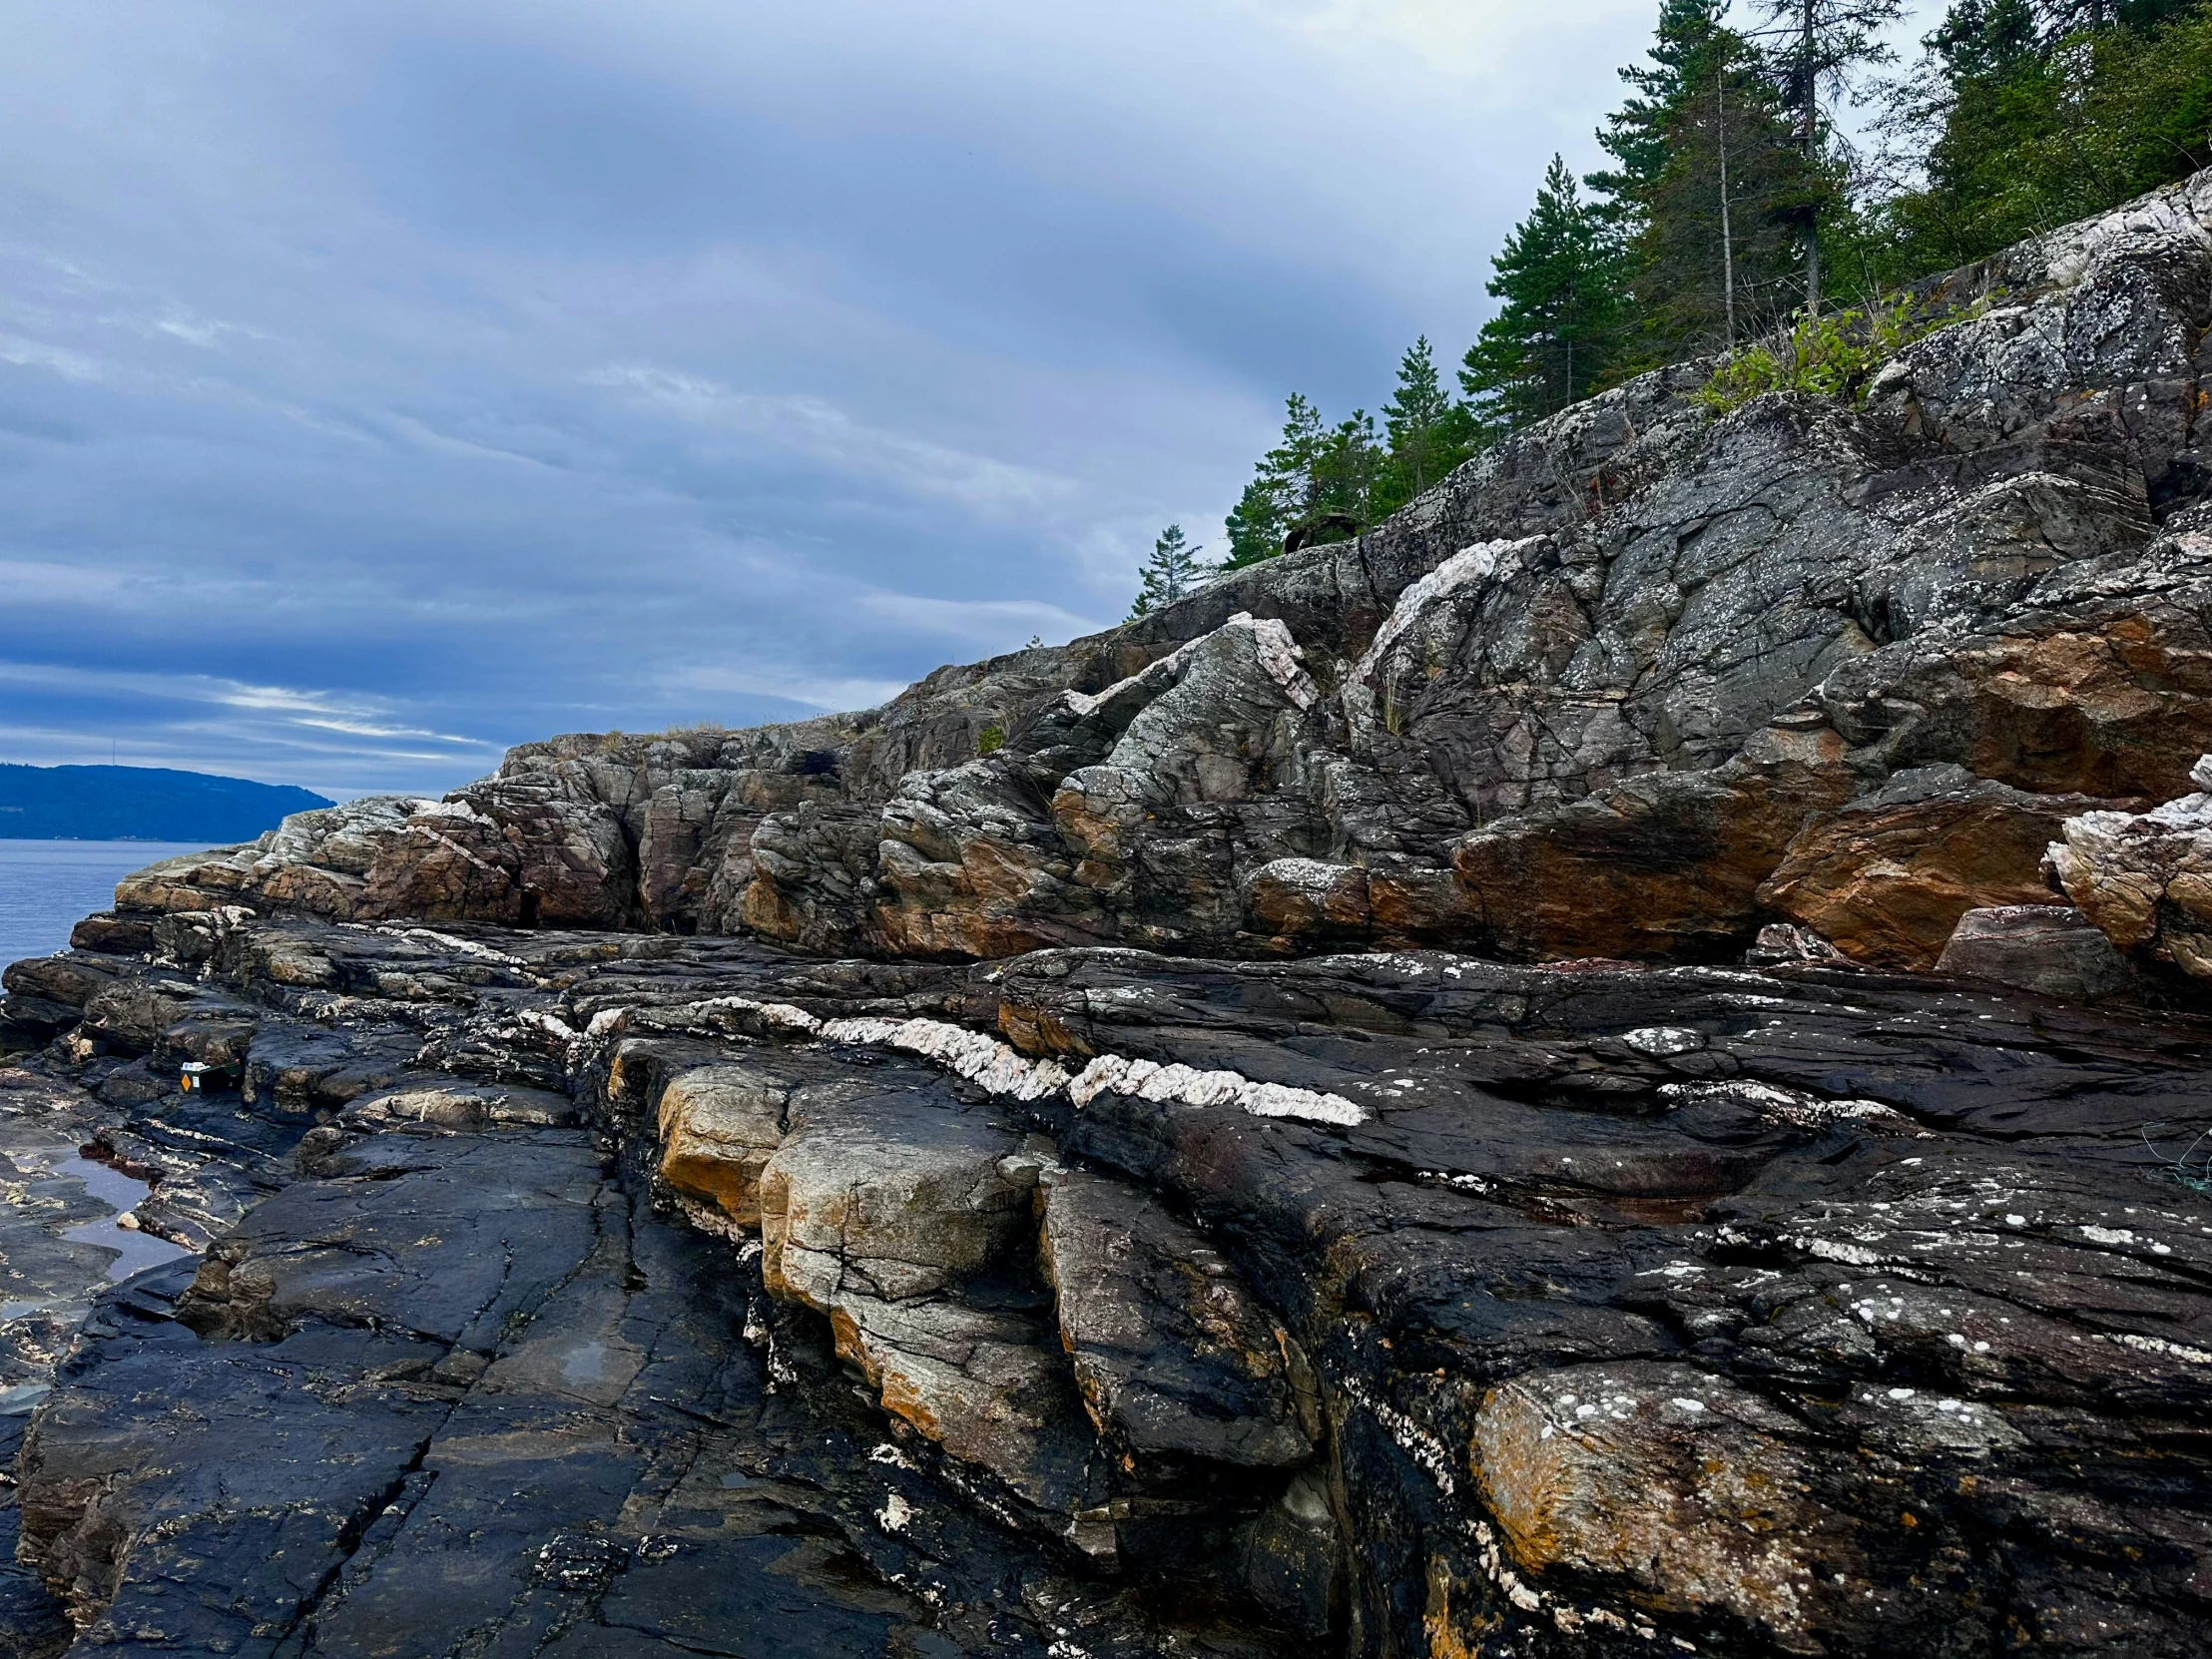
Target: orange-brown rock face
[(2116, 704), (1667, 865), (1887, 877), (719, 1127)]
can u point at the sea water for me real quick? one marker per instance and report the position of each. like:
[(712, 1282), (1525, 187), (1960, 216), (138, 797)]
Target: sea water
[(46, 887)]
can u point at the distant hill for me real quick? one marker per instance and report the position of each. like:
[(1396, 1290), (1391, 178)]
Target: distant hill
[(150, 803)]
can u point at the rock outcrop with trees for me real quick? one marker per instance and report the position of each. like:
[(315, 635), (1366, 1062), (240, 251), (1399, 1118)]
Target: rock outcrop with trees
[(1615, 1065)]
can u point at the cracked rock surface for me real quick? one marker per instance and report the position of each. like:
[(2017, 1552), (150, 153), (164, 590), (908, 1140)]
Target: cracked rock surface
[(682, 1296), (1615, 1067)]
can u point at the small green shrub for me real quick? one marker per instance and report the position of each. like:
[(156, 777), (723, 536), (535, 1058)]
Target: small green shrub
[(992, 739), (1836, 355)]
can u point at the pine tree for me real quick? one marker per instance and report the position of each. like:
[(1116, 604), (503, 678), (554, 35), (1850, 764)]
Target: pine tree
[(1309, 487), (1282, 488), (1425, 433), (1553, 339), (1715, 258), (1342, 490), (1817, 46), (1639, 136), (1255, 525), (1706, 182), (1172, 572), (2022, 117)]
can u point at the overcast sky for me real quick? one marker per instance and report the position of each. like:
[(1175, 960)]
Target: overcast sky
[(382, 385)]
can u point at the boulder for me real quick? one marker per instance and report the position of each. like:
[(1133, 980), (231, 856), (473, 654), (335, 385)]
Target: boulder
[(1308, 898), (2145, 878), (113, 936), (888, 1196), (1175, 1355), (718, 1126), (2050, 950), (1666, 1478)]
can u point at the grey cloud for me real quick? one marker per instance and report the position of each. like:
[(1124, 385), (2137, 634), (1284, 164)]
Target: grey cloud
[(508, 369)]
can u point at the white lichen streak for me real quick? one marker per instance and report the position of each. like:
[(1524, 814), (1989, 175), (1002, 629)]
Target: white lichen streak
[(1149, 1080), (1273, 646), (465, 948), (983, 1061), (1280, 657), (1417, 1443), (452, 846), (552, 1025), (1835, 1249), (994, 1066), (2159, 1345), (1463, 569)]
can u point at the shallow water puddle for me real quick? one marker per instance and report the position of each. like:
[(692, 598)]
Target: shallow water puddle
[(136, 1251)]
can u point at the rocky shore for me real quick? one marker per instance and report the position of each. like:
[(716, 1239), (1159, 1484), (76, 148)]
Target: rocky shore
[(1615, 1067)]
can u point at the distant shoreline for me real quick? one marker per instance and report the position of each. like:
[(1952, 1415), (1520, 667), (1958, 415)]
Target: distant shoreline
[(109, 840), (93, 803)]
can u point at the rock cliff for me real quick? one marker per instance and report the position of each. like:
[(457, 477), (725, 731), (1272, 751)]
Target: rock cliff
[(1611, 1067), (1634, 684)]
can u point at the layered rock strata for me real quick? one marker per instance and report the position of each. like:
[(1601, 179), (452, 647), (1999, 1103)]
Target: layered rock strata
[(1636, 683), (1611, 1067), (617, 1294)]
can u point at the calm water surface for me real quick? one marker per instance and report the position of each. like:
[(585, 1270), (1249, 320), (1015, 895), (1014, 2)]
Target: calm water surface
[(46, 887)]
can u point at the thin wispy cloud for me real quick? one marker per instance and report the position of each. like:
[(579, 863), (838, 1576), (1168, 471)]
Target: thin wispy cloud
[(804, 696), (312, 709), (55, 359), (819, 429), (982, 621)]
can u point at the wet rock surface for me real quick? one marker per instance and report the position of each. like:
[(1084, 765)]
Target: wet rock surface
[(1616, 1065), (680, 1296)]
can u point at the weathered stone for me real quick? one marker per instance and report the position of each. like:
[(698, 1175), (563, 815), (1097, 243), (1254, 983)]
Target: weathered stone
[(887, 1195), (69, 981), (1780, 941), (1879, 1297), (1692, 1491), (718, 1126), (984, 1386), (2050, 950), (458, 1107), (1887, 877), (113, 936), (1308, 898), (1764, 1171), (1606, 671), (1667, 865), (1174, 1354), (2145, 878)]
